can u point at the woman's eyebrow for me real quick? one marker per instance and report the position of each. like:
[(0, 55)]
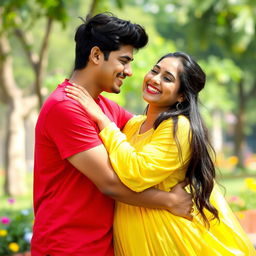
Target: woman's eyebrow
[(167, 72)]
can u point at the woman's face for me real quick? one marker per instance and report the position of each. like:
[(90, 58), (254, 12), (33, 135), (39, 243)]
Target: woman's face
[(161, 84)]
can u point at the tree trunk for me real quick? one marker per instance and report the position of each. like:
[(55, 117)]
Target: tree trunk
[(42, 63), (15, 165), (93, 8), (239, 129), (15, 150), (217, 135)]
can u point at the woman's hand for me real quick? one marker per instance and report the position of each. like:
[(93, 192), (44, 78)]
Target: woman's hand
[(81, 95), (181, 203)]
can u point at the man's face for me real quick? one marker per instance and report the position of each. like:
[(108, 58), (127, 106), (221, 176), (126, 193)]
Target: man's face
[(115, 69)]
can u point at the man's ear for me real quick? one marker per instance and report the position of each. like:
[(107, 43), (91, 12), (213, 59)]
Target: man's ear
[(95, 55)]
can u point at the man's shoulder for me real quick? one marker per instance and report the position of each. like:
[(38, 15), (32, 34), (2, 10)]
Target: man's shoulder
[(58, 101)]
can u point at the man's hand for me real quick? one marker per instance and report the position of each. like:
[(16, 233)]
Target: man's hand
[(181, 202)]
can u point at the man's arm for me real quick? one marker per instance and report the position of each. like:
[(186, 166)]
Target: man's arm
[(94, 163)]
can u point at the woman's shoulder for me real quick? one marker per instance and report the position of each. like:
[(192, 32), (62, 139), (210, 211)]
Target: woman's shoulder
[(183, 121), (168, 124)]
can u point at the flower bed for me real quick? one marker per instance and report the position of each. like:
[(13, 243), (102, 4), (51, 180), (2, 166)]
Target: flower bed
[(15, 231)]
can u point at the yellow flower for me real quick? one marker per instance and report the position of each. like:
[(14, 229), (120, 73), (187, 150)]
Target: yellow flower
[(3, 232), (250, 183), (233, 160), (14, 247), (240, 215)]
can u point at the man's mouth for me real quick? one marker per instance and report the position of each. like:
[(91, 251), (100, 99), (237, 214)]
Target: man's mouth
[(119, 81), (121, 75)]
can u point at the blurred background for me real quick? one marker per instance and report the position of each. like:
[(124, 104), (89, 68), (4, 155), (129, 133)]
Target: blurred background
[(37, 53)]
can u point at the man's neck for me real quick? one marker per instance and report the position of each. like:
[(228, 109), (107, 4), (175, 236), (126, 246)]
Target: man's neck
[(85, 79)]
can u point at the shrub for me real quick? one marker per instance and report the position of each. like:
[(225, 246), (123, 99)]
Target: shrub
[(15, 230)]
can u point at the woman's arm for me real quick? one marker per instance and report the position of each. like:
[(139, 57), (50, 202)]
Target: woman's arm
[(156, 161), (148, 167)]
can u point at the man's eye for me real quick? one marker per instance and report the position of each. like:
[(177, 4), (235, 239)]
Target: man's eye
[(123, 62)]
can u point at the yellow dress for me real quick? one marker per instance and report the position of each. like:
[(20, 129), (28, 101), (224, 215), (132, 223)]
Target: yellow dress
[(151, 159)]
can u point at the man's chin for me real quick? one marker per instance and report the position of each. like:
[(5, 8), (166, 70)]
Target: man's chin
[(115, 90)]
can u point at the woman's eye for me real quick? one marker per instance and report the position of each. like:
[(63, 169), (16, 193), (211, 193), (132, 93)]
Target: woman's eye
[(153, 71), (167, 79)]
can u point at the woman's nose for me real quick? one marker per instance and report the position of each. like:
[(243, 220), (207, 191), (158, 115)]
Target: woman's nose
[(156, 79)]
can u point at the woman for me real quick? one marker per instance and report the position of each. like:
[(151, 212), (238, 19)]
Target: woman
[(161, 149)]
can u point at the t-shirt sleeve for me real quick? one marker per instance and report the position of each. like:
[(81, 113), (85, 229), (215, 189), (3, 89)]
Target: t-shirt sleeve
[(158, 159), (68, 125)]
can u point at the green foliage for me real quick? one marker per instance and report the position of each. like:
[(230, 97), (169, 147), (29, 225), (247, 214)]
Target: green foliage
[(55, 9), (224, 29), (27, 12), (222, 74)]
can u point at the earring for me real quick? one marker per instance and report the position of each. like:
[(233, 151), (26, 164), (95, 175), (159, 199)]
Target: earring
[(179, 106)]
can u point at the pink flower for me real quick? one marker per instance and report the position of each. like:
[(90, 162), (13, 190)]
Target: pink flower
[(233, 198), (5, 220), (11, 200)]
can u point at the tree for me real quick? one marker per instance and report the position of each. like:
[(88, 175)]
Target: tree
[(222, 28), (229, 29), (17, 17), (103, 5)]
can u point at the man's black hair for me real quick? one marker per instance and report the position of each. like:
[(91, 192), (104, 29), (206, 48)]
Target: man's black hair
[(108, 33)]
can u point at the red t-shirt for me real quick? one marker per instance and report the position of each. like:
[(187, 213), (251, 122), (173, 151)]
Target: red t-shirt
[(72, 217)]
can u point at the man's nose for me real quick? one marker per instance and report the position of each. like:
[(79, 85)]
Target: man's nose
[(128, 70)]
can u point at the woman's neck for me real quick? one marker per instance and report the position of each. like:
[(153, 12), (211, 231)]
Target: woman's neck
[(152, 115)]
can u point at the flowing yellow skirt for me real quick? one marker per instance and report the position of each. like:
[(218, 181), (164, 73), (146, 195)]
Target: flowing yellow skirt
[(151, 232)]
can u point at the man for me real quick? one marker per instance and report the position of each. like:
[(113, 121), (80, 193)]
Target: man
[(73, 178)]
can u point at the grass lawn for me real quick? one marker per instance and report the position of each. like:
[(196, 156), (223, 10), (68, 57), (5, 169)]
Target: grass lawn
[(21, 202), (231, 186)]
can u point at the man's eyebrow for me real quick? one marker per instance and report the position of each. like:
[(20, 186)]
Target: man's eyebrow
[(128, 58)]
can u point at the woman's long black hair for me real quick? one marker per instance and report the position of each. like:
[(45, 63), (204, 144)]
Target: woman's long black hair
[(201, 170)]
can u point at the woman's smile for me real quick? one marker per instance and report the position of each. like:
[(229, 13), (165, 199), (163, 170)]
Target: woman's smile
[(152, 89)]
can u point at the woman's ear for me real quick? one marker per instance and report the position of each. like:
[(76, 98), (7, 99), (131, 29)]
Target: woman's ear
[(181, 98), (95, 55)]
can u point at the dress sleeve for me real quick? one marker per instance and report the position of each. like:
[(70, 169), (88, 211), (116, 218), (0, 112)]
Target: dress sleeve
[(158, 159)]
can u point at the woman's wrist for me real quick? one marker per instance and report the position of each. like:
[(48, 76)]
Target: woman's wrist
[(103, 121)]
